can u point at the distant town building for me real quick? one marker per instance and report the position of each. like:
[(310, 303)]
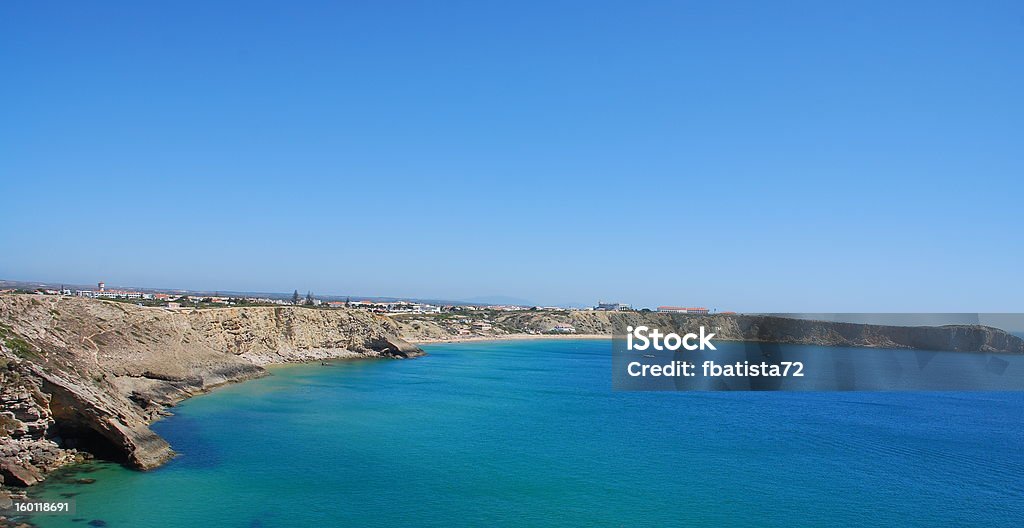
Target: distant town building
[(396, 307), (506, 308), (113, 294), (418, 308), (103, 293), (611, 307), (680, 309)]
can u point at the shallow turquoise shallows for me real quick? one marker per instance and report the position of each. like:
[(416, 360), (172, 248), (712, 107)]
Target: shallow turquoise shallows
[(529, 433)]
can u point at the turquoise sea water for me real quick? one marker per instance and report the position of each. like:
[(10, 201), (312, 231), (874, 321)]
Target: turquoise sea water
[(528, 433)]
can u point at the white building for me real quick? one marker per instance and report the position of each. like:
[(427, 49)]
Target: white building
[(113, 294), (398, 307), (611, 307), (103, 293)]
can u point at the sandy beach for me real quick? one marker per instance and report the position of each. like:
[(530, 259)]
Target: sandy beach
[(507, 337)]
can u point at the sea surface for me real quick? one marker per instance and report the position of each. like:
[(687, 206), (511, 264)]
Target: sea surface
[(529, 433)]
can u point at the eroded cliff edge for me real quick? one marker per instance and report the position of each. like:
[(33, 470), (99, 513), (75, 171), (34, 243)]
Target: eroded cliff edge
[(727, 327), (81, 377)]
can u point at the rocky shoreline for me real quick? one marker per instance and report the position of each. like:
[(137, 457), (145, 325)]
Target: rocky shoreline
[(82, 377), (529, 324)]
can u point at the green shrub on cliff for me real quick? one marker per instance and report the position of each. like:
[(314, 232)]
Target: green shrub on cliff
[(20, 347), (16, 344)]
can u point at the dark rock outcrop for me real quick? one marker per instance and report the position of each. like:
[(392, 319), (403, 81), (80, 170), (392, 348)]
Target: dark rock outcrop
[(954, 338)]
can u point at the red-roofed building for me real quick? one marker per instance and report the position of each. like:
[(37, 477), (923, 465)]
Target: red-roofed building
[(680, 309)]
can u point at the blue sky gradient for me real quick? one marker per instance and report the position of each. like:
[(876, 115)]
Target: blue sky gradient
[(752, 156)]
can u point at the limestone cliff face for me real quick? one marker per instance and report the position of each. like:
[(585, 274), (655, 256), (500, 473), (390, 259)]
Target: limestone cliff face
[(727, 327), (25, 451), (81, 376), (955, 338), (93, 374)]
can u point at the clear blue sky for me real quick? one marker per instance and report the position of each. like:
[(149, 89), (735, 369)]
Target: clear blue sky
[(784, 156)]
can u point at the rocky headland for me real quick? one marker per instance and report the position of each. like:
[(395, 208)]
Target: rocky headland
[(473, 325), (82, 377)]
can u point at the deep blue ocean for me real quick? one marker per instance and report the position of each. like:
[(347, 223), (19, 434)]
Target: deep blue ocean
[(529, 433)]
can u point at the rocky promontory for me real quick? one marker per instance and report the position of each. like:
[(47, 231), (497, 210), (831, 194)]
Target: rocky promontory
[(727, 327), (82, 377)]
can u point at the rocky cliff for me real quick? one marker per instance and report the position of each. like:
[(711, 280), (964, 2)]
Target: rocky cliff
[(727, 327), (83, 376)]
